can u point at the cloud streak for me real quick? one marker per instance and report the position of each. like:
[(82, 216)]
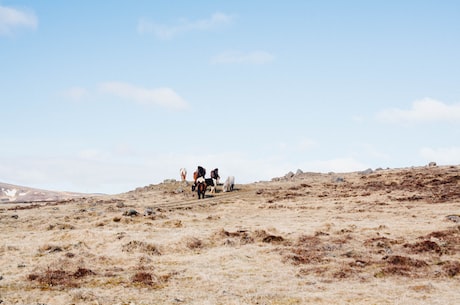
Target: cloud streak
[(425, 110), (446, 155), (11, 19), (254, 58), (74, 93), (163, 97), (163, 31)]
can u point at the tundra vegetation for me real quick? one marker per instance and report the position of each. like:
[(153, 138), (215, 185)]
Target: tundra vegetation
[(375, 237)]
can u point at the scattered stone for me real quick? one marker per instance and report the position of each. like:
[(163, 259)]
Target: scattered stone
[(339, 180), (289, 175), (120, 205), (454, 218), (432, 164), (273, 239), (367, 171), (148, 212), (299, 172), (131, 212), (54, 249), (166, 181), (179, 190), (15, 216)]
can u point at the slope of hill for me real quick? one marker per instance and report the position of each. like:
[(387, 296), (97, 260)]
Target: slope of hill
[(15, 193), (379, 237)]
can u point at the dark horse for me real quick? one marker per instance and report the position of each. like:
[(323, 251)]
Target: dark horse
[(201, 171), (215, 174)]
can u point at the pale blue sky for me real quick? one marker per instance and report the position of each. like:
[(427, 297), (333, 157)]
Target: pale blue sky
[(107, 96)]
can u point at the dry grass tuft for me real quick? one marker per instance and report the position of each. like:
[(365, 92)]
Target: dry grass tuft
[(151, 279), (402, 266), (451, 268), (59, 277), (60, 226), (307, 250), (142, 277), (141, 246), (244, 237), (424, 246), (194, 243)]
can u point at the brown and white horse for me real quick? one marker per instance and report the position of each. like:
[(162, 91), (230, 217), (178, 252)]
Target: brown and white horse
[(183, 174), (200, 186), (201, 183)]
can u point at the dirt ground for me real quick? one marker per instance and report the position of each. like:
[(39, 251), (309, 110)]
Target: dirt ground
[(387, 237)]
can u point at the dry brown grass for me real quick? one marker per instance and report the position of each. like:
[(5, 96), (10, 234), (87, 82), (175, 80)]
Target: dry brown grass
[(381, 238)]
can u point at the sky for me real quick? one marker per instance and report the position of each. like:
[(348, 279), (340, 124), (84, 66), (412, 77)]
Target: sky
[(108, 96)]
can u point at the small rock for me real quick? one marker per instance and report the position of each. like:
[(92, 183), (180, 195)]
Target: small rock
[(432, 164), (149, 211), (179, 190), (120, 205), (15, 216), (299, 172), (131, 212), (454, 218), (367, 171)]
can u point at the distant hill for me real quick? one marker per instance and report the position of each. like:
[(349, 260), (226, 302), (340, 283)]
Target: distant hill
[(10, 193)]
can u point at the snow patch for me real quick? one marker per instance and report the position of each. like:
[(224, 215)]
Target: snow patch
[(10, 193)]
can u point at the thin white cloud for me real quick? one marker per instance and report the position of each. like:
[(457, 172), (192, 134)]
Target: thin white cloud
[(93, 155), (301, 145), (233, 57), (163, 97), (163, 31), (445, 155), (75, 93), (340, 165), (425, 110), (307, 144), (11, 19)]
